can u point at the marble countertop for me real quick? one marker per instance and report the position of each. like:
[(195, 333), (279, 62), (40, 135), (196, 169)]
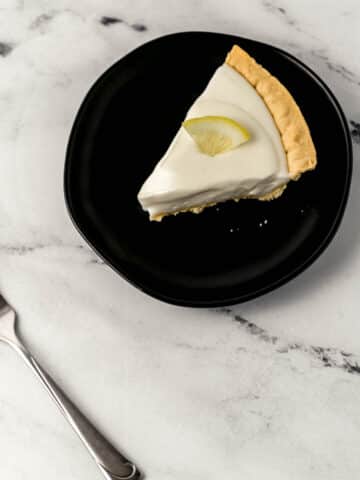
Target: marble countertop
[(267, 389)]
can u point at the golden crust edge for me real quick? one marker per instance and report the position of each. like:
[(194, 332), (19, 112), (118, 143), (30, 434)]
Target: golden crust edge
[(294, 131), (198, 209)]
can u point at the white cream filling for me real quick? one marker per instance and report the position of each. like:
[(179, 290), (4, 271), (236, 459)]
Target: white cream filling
[(185, 177)]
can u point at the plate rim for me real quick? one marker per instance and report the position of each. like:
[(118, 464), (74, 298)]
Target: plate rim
[(231, 300)]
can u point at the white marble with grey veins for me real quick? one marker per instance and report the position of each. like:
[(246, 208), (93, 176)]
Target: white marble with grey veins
[(268, 389)]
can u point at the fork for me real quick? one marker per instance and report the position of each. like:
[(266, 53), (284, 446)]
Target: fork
[(112, 464)]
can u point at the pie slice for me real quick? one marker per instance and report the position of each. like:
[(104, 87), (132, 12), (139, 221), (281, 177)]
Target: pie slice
[(280, 147)]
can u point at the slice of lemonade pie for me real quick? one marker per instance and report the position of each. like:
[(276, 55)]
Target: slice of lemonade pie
[(244, 137)]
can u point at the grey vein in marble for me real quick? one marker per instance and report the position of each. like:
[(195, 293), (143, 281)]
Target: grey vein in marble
[(40, 21), (192, 347), (25, 249), (139, 27), (285, 17), (336, 67), (5, 49), (328, 357), (355, 131), (108, 21), (342, 71), (96, 261), (280, 11)]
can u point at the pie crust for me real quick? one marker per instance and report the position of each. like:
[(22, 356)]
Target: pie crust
[(294, 132)]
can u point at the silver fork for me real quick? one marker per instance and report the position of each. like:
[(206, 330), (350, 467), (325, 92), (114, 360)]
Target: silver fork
[(112, 464)]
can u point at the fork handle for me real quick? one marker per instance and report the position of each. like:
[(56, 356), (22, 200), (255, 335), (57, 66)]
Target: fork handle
[(112, 464)]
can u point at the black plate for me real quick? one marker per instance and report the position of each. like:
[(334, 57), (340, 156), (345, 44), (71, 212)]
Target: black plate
[(229, 253)]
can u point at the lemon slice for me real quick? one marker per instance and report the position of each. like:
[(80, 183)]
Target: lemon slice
[(214, 134)]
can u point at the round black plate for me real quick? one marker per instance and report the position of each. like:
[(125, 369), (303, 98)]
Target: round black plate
[(229, 253)]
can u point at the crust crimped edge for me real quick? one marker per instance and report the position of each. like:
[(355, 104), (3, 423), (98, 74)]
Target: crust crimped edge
[(294, 131)]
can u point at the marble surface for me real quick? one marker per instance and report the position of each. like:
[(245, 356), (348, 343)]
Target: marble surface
[(267, 389)]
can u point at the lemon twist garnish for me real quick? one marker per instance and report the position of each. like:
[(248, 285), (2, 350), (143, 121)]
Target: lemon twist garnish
[(215, 134)]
